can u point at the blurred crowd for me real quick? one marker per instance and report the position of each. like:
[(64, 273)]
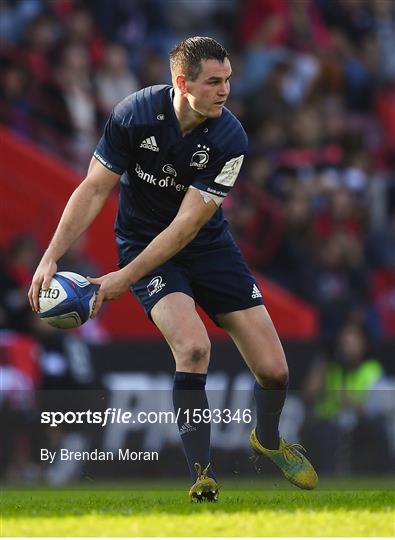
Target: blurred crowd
[(314, 85)]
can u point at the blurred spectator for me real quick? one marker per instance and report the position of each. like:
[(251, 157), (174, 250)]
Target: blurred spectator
[(383, 23), (15, 105), (73, 77), (383, 292), (123, 22), (270, 28), (53, 123), (20, 376), (262, 36), (206, 18), (16, 272), (257, 219), (381, 252), (343, 215), (341, 432), (113, 79), (296, 247), (40, 41), (263, 23), (360, 75), (19, 359), (153, 70), (340, 282), (269, 103), (302, 156), (81, 30), (385, 105), (306, 30), (352, 17), (14, 16)]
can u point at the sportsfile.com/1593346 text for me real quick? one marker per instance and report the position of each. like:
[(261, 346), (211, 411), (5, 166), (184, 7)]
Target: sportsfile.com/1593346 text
[(113, 415)]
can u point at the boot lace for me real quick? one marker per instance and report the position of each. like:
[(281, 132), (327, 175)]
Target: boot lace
[(202, 474), (291, 451)]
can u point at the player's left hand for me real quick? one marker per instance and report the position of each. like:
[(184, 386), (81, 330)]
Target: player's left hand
[(111, 286)]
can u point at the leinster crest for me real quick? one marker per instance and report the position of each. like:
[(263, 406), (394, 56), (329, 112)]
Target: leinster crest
[(200, 158)]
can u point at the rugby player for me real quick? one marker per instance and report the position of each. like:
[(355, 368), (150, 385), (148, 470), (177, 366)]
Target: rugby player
[(176, 151)]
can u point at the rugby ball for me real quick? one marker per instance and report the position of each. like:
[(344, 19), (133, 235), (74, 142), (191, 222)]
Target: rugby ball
[(68, 301)]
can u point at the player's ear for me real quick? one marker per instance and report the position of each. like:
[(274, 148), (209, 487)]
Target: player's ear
[(181, 84)]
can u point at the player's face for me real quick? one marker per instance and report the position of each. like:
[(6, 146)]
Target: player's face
[(208, 93)]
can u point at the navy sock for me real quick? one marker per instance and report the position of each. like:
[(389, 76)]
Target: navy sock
[(188, 394), (269, 404)]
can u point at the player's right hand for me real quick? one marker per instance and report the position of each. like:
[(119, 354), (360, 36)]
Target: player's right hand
[(41, 280)]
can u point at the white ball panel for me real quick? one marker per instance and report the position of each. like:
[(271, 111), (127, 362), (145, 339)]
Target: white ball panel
[(54, 295), (75, 278)]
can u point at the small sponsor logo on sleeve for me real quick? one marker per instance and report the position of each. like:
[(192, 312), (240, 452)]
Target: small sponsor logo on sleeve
[(216, 192), (103, 161), (229, 172)]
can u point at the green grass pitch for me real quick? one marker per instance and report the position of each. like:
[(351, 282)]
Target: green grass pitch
[(255, 509)]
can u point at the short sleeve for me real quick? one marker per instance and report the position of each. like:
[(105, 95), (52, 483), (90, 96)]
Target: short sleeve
[(114, 148), (220, 177)]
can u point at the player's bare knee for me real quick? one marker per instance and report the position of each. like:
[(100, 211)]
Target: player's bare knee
[(276, 377), (199, 354), (281, 377), (194, 357)]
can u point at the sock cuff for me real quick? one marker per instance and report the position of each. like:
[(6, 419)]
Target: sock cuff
[(271, 400), (259, 387), (189, 381)]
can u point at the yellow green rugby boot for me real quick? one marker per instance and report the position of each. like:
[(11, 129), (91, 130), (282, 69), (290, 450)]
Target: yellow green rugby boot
[(294, 465), (205, 488)]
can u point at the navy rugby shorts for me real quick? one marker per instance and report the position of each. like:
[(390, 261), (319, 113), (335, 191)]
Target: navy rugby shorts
[(217, 278)]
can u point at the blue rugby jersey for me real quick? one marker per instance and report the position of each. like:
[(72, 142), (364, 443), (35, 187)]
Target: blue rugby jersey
[(143, 142)]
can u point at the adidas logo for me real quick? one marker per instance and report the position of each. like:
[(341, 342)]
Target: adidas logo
[(256, 293), (186, 428), (150, 144)]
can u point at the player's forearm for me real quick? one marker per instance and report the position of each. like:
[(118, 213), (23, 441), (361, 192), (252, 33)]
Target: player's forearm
[(80, 211), (167, 244)]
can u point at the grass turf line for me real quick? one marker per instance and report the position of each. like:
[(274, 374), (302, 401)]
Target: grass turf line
[(152, 513)]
